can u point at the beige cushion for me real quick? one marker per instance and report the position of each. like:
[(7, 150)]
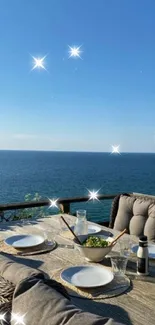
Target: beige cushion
[(124, 213), (139, 218), (149, 229), (42, 305), (137, 215), (16, 272)]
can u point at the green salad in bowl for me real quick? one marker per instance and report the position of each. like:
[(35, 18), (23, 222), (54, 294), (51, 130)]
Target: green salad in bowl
[(94, 248), (93, 241)]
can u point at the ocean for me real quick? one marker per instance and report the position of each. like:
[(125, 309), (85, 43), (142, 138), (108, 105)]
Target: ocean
[(70, 174)]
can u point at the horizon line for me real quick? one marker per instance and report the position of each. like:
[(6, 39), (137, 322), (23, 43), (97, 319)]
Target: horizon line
[(78, 151)]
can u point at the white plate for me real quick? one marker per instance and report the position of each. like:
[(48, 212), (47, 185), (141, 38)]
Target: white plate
[(92, 229), (24, 241), (151, 249), (87, 276)]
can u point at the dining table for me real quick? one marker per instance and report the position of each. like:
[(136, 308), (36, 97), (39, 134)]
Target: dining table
[(136, 306)]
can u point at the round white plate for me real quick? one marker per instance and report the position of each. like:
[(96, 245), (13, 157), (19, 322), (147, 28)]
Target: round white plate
[(87, 276), (24, 241), (92, 229), (151, 249)]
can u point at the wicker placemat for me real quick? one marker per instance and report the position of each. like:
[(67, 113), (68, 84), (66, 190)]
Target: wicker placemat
[(40, 248), (118, 286)]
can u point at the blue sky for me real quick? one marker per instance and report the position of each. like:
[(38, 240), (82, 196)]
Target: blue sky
[(107, 98)]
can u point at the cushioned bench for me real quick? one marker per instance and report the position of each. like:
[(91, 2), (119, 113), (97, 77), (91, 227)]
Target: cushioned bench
[(136, 213)]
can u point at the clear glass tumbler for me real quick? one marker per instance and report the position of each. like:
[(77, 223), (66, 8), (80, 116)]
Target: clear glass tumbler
[(81, 226), (48, 235), (125, 247), (46, 232), (119, 264)]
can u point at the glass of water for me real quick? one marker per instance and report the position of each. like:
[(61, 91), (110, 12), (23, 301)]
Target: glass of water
[(119, 264), (46, 232), (81, 225), (49, 237), (125, 247)]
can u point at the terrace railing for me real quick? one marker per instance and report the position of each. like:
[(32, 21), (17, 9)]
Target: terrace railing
[(63, 204)]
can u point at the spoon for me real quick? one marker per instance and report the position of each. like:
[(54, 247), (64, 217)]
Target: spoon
[(113, 242)]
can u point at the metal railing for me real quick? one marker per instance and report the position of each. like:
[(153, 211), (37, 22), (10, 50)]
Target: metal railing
[(63, 204)]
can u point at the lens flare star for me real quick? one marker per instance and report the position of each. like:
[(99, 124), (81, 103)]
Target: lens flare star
[(2, 317), (53, 203), (115, 149), (93, 195), (74, 52), (18, 319), (39, 63)]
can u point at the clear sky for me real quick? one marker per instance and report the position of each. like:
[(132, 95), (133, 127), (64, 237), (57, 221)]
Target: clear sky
[(106, 98)]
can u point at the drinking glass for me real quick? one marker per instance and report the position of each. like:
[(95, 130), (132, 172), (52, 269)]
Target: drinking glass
[(125, 247), (119, 264), (63, 230), (81, 214), (81, 226), (48, 235), (46, 232)]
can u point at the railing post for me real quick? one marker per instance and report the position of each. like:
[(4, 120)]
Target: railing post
[(66, 207), (1, 215)]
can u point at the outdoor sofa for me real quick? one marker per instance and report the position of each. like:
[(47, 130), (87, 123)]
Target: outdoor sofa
[(136, 213)]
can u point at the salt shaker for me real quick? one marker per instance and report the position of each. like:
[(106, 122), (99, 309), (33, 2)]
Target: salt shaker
[(143, 256), (81, 227)]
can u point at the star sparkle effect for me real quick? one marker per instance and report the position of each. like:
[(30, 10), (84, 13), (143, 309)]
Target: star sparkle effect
[(53, 203), (2, 317), (115, 150), (18, 319), (39, 63), (93, 195), (74, 52)]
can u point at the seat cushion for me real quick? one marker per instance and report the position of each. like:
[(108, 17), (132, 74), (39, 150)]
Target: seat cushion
[(43, 305), (16, 272), (139, 218), (137, 215), (124, 213), (149, 229)]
